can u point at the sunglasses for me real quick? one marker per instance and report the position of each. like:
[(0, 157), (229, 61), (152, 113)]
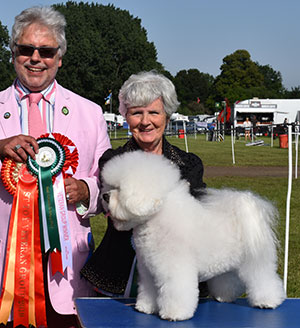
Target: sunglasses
[(45, 52)]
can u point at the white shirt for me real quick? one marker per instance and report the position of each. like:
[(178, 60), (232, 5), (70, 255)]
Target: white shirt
[(247, 125), (46, 105)]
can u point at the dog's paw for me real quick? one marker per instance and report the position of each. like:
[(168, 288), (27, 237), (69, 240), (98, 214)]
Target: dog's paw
[(178, 315), (267, 304), (145, 307), (269, 300)]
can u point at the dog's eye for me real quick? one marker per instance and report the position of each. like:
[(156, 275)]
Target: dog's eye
[(106, 197)]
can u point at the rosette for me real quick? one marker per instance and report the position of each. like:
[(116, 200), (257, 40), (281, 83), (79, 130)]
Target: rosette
[(51, 157), (48, 162), (56, 160), (10, 174), (71, 153), (39, 209)]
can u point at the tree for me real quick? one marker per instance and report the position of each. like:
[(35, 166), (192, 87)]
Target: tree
[(105, 46), (240, 78), (6, 67), (193, 88), (294, 93), (272, 82)]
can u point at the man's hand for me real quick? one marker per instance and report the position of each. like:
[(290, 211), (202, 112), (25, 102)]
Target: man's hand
[(18, 148), (77, 191)]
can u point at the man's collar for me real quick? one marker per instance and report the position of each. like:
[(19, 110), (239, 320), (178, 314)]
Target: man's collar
[(23, 91)]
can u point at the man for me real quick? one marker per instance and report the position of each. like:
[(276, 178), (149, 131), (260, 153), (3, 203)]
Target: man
[(38, 45)]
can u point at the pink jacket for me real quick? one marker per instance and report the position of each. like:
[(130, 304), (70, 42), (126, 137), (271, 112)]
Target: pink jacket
[(84, 124)]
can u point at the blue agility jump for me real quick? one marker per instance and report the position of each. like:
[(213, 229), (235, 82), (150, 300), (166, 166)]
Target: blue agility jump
[(120, 313)]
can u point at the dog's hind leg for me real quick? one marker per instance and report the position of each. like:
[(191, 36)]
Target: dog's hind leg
[(226, 287), (264, 288)]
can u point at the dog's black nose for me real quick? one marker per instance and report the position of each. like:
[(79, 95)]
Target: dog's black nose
[(106, 197)]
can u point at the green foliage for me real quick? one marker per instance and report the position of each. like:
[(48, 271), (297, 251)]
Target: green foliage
[(193, 89), (105, 46), (240, 78), (197, 108), (294, 93), (184, 110), (6, 67), (192, 84), (273, 87)]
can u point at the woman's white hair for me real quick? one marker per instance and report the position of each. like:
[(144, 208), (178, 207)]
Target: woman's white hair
[(46, 16), (143, 88)]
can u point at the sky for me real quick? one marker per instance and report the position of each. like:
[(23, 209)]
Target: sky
[(200, 33)]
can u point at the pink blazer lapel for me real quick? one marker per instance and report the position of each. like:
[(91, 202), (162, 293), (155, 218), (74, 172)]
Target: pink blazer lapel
[(9, 113), (63, 111)]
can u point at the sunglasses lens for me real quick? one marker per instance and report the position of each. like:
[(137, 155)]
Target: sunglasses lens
[(47, 52), (25, 50)]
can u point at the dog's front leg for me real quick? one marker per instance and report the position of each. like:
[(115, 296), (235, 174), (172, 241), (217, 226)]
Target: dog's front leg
[(178, 294), (147, 295)]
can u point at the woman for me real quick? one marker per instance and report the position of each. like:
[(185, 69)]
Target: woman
[(147, 101), (247, 125)]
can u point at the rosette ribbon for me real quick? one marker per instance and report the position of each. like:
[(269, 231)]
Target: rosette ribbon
[(39, 223), (49, 162), (56, 160), (23, 283)]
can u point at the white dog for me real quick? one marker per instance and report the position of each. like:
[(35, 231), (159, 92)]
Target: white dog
[(226, 238)]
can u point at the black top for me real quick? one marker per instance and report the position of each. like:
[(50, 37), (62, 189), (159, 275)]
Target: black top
[(109, 267)]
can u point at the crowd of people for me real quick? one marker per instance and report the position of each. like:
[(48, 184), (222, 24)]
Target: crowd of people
[(147, 100)]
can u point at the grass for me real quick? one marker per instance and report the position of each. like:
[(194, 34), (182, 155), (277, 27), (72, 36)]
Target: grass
[(273, 188), (220, 153)]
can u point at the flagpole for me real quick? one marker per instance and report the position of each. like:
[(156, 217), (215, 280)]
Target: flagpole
[(224, 124), (232, 144), (185, 137), (110, 103), (288, 205)]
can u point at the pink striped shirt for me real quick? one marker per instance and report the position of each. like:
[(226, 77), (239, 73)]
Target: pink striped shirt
[(46, 105)]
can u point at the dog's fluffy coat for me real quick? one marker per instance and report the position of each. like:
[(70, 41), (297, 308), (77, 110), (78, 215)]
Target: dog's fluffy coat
[(226, 238)]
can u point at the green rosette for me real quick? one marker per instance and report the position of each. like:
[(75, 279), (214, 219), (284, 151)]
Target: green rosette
[(49, 161)]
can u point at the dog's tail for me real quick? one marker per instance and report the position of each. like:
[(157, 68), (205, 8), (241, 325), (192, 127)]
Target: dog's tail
[(254, 217), (259, 219)]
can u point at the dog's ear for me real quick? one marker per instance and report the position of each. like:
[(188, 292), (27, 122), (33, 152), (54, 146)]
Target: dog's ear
[(141, 206)]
